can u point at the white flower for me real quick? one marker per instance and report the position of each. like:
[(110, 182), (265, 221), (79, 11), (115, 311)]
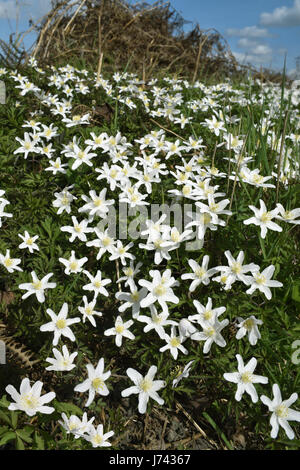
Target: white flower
[(263, 218), (97, 284), (281, 412), (62, 361), (97, 438), (119, 330), (81, 156), (235, 271), (183, 374), (121, 252), (63, 200), (249, 326), (211, 332), (96, 205), (37, 286), (156, 322), (78, 230), (27, 145), (186, 329), (75, 425), (28, 242), (104, 242), (288, 216), (206, 313), (133, 299), (262, 282), (88, 310), (145, 387), (174, 343), (73, 265), (60, 324), (95, 383), (201, 274), (9, 263), (160, 289), (130, 271), (29, 399), (245, 378), (2, 213)]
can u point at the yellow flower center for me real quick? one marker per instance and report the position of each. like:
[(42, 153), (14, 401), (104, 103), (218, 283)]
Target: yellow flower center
[(106, 241), (260, 279), (175, 342), (200, 272), (97, 383), (288, 215), (236, 268), (246, 377), (266, 217), (120, 329), (248, 324), (65, 201), (30, 401), (8, 262), (282, 411), (186, 190), (146, 385), (214, 207), (97, 439), (210, 331), (207, 314), (73, 265), (29, 241), (135, 296), (61, 324), (37, 285), (128, 272), (97, 284), (160, 290)]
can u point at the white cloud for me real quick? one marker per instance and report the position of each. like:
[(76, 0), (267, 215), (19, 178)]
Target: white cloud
[(249, 32), (8, 9), (282, 16), (254, 59)]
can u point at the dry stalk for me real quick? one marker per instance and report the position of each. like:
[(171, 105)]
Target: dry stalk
[(201, 44), (65, 30), (45, 28), (166, 129)]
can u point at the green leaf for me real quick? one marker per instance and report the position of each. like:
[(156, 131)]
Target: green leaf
[(14, 419), (4, 418), (4, 402), (19, 444), (67, 408), (218, 430), (9, 436), (23, 434), (296, 292), (39, 441)]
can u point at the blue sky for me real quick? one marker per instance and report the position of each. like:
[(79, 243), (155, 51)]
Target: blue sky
[(259, 32)]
